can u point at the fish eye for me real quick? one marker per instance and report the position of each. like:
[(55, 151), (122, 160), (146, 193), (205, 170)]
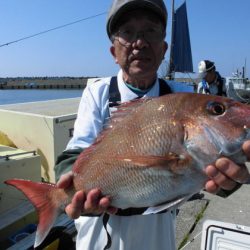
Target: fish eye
[(216, 108)]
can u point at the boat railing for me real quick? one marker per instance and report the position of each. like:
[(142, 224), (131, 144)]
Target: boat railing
[(8, 156)]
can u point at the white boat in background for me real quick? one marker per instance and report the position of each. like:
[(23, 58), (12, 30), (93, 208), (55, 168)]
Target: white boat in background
[(238, 88)]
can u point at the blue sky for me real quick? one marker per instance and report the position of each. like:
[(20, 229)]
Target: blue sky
[(219, 31)]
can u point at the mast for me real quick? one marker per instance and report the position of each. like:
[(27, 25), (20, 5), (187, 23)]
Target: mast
[(171, 57), (245, 67)]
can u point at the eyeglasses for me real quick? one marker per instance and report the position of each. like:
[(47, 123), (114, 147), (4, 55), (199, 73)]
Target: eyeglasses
[(127, 37)]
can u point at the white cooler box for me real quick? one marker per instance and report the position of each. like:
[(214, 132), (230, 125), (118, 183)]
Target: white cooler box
[(44, 126), (217, 235), (16, 163)]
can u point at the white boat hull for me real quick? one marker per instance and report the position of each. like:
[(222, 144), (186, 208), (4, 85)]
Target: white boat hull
[(238, 89)]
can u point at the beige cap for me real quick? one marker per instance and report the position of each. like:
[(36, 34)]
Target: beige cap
[(205, 66)]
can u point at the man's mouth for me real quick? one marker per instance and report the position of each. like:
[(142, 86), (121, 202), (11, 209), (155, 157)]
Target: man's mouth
[(140, 58)]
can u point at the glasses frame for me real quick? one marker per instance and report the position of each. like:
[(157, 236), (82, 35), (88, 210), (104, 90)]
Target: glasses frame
[(140, 34)]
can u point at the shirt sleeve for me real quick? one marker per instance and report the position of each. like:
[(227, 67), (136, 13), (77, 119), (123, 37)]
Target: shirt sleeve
[(65, 162), (92, 112)]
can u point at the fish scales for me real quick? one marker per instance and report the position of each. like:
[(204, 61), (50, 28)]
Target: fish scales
[(135, 136)]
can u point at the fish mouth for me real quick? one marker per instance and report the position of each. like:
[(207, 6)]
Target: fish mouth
[(223, 145)]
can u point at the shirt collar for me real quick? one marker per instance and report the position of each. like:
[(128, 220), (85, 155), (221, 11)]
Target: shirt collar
[(127, 94)]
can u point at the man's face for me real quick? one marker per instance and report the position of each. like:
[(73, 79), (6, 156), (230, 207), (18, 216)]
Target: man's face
[(142, 56), (210, 77)]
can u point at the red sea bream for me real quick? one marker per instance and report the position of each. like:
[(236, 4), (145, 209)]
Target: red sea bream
[(152, 152)]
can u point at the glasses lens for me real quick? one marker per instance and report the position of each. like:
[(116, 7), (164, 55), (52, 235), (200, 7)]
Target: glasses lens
[(127, 37), (153, 35)]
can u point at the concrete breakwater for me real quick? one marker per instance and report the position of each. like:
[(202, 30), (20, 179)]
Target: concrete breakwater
[(54, 82), (44, 83)]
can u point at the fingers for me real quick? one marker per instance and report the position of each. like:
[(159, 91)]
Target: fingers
[(225, 174), (212, 187), (74, 209), (246, 148), (218, 180), (65, 180), (96, 204), (237, 173), (92, 203)]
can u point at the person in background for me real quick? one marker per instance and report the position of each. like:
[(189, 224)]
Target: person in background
[(212, 82), (137, 30)]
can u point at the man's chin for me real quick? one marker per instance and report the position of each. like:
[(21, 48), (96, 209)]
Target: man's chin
[(142, 67)]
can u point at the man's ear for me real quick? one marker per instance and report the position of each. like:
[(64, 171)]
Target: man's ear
[(112, 51)]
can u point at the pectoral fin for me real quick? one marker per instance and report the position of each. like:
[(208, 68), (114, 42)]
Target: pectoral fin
[(172, 161)]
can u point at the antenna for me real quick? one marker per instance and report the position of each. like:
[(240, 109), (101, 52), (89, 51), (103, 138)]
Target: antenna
[(171, 63), (245, 67)]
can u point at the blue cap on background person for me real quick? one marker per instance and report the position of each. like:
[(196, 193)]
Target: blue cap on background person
[(204, 67), (119, 7)]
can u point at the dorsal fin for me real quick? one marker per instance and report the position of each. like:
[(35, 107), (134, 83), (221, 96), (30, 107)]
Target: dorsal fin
[(117, 116)]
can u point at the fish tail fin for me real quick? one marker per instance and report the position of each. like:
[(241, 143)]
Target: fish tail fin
[(41, 196)]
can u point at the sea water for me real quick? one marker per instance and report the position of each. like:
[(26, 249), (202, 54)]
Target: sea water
[(9, 96)]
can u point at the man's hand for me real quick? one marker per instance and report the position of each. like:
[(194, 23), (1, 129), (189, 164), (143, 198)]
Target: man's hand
[(92, 203), (225, 174)]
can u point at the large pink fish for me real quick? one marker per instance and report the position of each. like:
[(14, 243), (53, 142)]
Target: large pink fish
[(154, 151)]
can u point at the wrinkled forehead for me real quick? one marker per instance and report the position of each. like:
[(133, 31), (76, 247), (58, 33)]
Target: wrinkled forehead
[(138, 14)]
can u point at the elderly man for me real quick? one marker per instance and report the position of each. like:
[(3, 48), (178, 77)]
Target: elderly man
[(137, 31)]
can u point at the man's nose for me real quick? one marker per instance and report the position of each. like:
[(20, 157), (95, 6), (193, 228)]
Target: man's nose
[(140, 40)]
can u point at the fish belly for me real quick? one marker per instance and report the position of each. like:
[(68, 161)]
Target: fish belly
[(153, 187)]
